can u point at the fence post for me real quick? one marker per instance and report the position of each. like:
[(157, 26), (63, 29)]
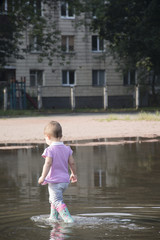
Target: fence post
[(72, 98), (39, 97), (105, 97), (5, 98), (24, 92), (137, 96)]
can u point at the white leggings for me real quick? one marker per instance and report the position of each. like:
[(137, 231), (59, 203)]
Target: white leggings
[(56, 193)]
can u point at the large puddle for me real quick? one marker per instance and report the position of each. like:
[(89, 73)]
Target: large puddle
[(117, 195)]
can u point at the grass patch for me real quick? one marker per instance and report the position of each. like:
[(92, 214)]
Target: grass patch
[(114, 117), (148, 116), (143, 116), (111, 118), (126, 114), (16, 113)]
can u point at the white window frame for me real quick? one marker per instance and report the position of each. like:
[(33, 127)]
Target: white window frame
[(36, 77), (6, 5), (67, 44), (67, 11), (98, 44), (98, 79), (129, 78), (68, 80), (35, 6), (5, 10), (34, 45)]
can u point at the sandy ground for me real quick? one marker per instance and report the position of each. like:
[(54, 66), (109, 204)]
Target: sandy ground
[(75, 127)]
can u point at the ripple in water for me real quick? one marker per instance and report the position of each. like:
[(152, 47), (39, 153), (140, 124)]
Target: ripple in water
[(91, 220)]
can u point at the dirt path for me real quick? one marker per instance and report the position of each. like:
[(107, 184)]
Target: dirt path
[(75, 127)]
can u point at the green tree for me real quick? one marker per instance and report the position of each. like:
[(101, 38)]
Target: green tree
[(132, 31), (19, 17)]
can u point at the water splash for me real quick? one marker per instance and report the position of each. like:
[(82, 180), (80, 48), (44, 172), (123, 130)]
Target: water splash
[(90, 220)]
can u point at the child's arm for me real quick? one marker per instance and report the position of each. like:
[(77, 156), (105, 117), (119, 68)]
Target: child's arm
[(72, 166), (46, 168)]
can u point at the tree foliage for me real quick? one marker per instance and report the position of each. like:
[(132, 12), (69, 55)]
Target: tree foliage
[(132, 29), (19, 18)]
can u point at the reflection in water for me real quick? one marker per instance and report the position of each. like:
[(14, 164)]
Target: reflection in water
[(99, 178), (118, 188), (59, 232), (115, 166)]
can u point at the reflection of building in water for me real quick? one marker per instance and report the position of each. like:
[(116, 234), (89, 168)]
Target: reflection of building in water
[(85, 169), (106, 165), (29, 168), (97, 166), (22, 169), (99, 178)]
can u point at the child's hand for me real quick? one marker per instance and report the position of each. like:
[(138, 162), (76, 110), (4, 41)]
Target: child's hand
[(73, 178), (41, 180)]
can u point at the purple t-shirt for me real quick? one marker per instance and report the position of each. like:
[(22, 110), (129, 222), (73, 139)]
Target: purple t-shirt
[(60, 154)]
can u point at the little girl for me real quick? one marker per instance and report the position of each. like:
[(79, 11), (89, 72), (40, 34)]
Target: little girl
[(55, 170)]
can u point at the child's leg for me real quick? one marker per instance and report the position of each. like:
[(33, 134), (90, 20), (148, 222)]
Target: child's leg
[(53, 213), (64, 213), (56, 197)]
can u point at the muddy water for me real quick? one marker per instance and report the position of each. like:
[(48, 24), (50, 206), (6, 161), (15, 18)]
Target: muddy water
[(117, 196)]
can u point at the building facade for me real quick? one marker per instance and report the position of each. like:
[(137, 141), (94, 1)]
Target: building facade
[(88, 67)]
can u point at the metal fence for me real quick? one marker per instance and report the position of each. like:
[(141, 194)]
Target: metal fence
[(37, 94)]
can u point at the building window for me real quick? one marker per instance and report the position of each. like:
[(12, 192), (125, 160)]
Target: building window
[(157, 80), (98, 78), (68, 77), (129, 78), (6, 75), (35, 7), (3, 6), (68, 43), (35, 44), (152, 77), (36, 78), (38, 7), (97, 44), (67, 10)]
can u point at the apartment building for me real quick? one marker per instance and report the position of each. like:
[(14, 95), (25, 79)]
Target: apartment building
[(88, 68)]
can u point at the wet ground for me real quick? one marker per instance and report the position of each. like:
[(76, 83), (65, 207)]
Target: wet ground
[(117, 195)]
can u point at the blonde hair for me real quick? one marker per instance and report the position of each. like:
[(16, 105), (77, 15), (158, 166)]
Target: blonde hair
[(53, 129)]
